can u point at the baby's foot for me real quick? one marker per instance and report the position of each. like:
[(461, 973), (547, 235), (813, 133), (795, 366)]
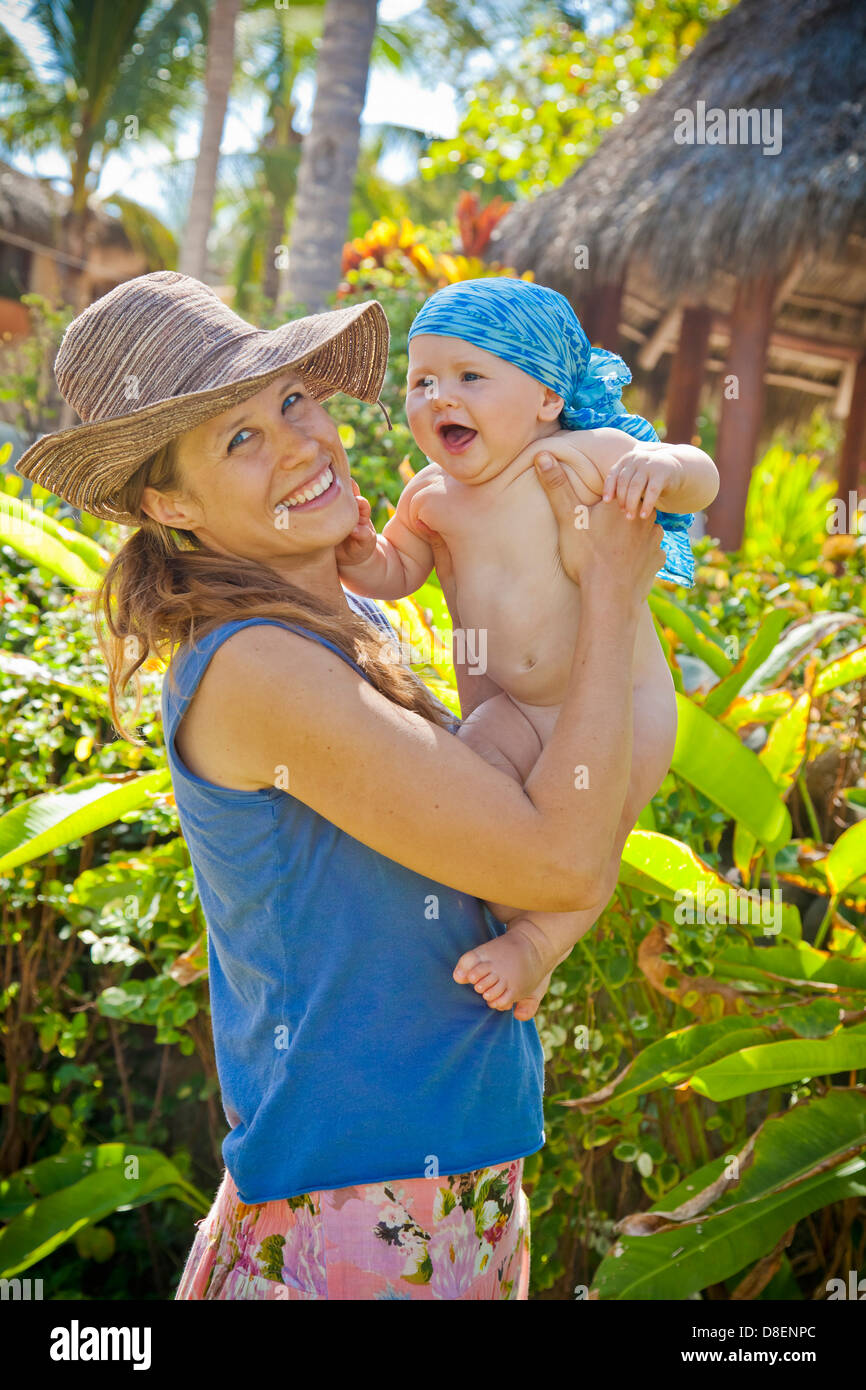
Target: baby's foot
[(509, 968), (527, 1007)]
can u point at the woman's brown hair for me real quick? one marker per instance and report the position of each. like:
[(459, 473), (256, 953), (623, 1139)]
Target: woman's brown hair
[(164, 588)]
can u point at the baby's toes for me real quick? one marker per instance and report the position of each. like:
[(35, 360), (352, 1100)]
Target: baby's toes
[(469, 968), (526, 1008), (497, 994)]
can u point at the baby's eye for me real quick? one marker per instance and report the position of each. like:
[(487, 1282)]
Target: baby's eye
[(475, 374)]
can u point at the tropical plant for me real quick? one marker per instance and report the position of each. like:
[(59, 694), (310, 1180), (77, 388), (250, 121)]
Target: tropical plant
[(544, 109), (704, 1077), (116, 73)]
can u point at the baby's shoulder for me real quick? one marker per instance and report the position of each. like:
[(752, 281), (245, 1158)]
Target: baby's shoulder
[(426, 477)]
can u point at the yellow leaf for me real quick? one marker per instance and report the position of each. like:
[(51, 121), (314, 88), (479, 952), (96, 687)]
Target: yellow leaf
[(84, 748), (450, 269)]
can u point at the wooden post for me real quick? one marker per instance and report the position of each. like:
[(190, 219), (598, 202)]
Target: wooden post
[(853, 450), (742, 407), (687, 374), (600, 316), (606, 312)]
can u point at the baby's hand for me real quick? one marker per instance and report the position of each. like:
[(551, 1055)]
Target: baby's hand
[(643, 473), (360, 543)]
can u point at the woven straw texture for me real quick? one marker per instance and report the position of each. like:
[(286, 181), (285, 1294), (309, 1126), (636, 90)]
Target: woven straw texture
[(161, 354)]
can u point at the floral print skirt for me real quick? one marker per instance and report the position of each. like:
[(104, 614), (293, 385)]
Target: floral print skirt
[(459, 1237)]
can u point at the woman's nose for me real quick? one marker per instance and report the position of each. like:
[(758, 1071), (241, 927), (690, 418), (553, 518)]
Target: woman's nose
[(295, 445)]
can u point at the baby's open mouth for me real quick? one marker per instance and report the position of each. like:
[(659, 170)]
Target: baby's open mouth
[(457, 437)]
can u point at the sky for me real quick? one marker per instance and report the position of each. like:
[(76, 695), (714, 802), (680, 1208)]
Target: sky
[(387, 94)]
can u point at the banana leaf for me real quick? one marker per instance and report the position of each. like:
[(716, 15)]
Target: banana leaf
[(713, 759), (47, 1203), (754, 656), (801, 1161), (761, 1066), (45, 822)]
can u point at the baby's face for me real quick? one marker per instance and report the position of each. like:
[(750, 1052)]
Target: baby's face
[(470, 411)]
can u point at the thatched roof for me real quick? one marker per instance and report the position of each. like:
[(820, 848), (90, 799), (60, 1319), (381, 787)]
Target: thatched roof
[(689, 212), (31, 208)]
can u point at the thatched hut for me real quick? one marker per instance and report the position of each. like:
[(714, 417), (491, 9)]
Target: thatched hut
[(724, 223), (32, 219)]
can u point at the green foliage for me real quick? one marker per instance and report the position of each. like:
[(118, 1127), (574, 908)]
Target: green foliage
[(787, 511), (27, 383), (133, 60), (673, 1045), (63, 1196), (536, 119)]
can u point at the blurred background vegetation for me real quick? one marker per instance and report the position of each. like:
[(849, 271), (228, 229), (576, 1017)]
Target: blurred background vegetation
[(673, 1048)]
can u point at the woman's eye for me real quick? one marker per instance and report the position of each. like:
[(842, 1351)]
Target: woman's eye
[(235, 439), (292, 396)]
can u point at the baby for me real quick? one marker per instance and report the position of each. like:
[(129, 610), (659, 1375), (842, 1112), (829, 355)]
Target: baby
[(500, 371)]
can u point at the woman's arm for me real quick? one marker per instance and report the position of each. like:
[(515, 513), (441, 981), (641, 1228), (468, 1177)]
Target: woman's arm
[(412, 791)]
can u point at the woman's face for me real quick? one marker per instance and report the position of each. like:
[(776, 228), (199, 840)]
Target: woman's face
[(266, 480)]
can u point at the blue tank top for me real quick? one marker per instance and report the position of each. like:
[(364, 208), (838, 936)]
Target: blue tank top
[(346, 1053)]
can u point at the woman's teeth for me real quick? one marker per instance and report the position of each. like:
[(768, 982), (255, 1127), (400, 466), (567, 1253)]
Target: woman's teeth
[(315, 489)]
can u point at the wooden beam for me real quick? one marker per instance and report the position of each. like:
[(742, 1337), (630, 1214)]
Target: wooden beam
[(801, 383), (845, 392), (791, 383), (854, 444), (634, 335), (742, 407), (831, 306), (787, 285), (660, 340), (804, 344), (687, 374)]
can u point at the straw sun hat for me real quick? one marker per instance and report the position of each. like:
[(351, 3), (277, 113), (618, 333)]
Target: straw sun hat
[(159, 355)]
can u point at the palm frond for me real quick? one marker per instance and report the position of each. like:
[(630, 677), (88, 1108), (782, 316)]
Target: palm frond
[(147, 233)]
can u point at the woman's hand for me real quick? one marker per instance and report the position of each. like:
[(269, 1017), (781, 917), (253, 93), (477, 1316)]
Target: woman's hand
[(601, 542), (360, 543)]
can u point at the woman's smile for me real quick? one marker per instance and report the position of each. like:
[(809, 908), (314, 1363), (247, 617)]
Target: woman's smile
[(317, 491)]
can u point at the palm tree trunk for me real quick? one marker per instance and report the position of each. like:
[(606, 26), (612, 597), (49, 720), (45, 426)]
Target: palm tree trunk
[(329, 156), (218, 81)]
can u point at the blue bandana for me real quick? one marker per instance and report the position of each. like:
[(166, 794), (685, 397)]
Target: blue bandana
[(536, 329)]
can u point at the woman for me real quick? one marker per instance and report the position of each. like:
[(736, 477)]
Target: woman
[(342, 837)]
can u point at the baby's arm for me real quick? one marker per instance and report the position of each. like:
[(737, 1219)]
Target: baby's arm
[(689, 478), (402, 559)]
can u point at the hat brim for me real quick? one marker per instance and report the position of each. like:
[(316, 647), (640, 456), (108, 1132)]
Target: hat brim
[(87, 464)]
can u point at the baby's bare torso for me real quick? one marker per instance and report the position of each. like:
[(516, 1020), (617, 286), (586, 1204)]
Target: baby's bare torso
[(510, 583)]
